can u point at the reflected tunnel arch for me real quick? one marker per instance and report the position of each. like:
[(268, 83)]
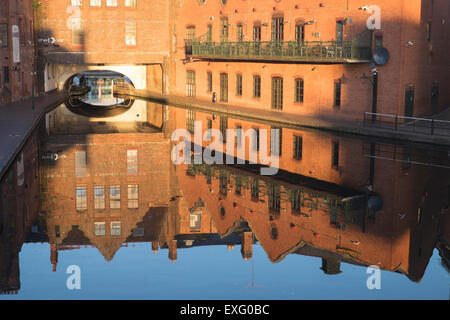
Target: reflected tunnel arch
[(98, 93)]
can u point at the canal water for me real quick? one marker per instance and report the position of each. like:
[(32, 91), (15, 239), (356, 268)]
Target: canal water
[(101, 207)]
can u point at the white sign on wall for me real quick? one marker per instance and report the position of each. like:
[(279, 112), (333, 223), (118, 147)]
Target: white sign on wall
[(16, 44)]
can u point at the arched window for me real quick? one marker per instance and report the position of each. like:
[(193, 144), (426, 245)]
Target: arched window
[(277, 93), (299, 90)]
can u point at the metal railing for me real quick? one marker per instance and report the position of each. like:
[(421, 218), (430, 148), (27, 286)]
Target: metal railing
[(326, 51), (426, 126)]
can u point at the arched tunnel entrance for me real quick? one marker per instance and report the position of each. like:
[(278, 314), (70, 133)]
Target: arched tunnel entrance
[(98, 93)]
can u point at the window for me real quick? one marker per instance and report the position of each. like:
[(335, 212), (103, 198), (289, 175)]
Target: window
[(111, 3), (130, 33), (256, 139), (100, 228), (298, 147), (239, 32), (239, 85), (75, 2), (132, 161), (81, 198), (80, 164), (409, 101), (114, 197), (223, 184), (237, 184), (339, 31), (190, 120), (209, 81), (223, 29), (337, 93), (96, 3), (275, 140), (277, 28), (195, 221), (99, 197), (190, 33), (299, 90), (277, 93), (274, 197), (3, 35), (116, 228), (256, 87), (238, 136), (296, 201), (335, 155), (130, 3), (190, 83), (223, 128), (224, 87), (209, 33), (255, 188), (429, 31), (133, 196), (299, 32), (77, 31), (257, 32), (5, 75)]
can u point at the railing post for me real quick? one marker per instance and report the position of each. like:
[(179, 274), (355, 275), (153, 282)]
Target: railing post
[(396, 122), (432, 126)]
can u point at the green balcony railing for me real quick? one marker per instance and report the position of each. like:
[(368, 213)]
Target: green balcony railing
[(309, 51)]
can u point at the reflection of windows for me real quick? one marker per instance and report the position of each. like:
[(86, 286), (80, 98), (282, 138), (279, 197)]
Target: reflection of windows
[(298, 147), (81, 198), (255, 139), (100, 228), (208, 128), (114, 197), (80, 164), (96, 3), (75, 2), (133, 196), (138, 232), (223, 183), (130, 3), (116, 228), (296, 201), (337, 93), (224, 127), (274, 198), (4, 35), (111, 3), (130, 33), (195, 221), (190, 120), (238, 136), (132, 161), (77, 31), (275, 141), (335, 155), (238, 184), (255, 188), (99, 197)]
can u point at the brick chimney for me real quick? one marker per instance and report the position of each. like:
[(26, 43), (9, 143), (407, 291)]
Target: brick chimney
[(247, 245), (173, 250), (155, 246), (53, 256)]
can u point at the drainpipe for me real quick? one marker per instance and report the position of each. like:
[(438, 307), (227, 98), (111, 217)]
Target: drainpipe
[(375, 94)]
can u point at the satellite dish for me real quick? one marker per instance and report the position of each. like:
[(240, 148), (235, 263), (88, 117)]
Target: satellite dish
[(381, 56)]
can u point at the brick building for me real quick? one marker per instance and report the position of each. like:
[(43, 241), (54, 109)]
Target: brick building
[(314, 57), (17, 48)]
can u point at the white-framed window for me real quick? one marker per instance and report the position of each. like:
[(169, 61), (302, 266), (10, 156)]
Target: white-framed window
[(132, 161), (81, 198), (133, 196), (99, 197), (130, 3), (116, 228), (96, 3), (100, 228), (114, 197), (130, 33), (75, 2), (111, 3)]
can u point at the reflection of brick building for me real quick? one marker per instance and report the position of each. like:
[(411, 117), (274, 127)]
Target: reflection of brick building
[(19, 205), (106, 189), (305, 208), (16, 50), (313, 57)]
